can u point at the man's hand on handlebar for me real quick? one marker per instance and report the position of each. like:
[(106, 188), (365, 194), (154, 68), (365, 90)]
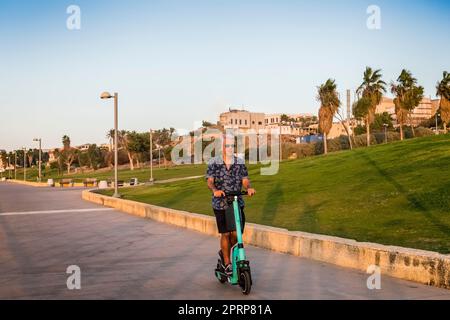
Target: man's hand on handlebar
[(251, 192)]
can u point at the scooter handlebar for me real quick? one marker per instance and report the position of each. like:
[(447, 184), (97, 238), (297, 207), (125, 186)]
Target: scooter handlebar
[(236, 193)]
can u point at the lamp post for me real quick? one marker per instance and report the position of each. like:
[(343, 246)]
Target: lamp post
[(151, 157), (24, 163), (107, 95), (437, 115), (15, 164), (40, 158)]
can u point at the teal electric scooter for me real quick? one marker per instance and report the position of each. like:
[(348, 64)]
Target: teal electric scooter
[(241, 266)]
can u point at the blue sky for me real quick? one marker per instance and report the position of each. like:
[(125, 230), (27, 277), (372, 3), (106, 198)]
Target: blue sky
[(177, 62)]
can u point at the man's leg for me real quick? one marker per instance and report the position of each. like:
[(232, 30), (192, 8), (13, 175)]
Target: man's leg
[(233, 235), (225, 245), (233, 238)]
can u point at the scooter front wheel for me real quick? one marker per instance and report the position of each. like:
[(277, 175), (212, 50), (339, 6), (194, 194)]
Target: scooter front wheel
[(245, 282)]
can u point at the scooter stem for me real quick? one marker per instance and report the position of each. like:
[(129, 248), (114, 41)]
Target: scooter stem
[(237, 218)]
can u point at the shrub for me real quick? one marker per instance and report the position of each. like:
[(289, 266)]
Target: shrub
[(361, 140), (300, 150), (424, 132)]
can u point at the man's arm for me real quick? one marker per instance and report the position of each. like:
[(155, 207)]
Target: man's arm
[(248, 187), (212, 187)]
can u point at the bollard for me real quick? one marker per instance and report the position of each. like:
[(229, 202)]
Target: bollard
[(103, 184)]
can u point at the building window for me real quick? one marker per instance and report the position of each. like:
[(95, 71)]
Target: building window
[(253, 122), (240, 122), (231, 122), (245, 122), (260, 123), (235, 121)]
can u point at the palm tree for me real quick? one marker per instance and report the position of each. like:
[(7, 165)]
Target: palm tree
[(407, 97), (329, 104), (110, 136), (125, 141), (443, 91), (30, 157), (372, 89), (59, 158), (66, 142)]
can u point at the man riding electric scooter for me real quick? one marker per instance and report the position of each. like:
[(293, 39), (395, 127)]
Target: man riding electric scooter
[(227, 174)]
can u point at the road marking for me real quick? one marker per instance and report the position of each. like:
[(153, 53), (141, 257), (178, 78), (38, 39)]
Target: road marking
[(54, 211)]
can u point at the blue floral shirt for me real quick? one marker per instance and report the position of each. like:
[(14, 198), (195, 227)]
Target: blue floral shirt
[(226, 180)]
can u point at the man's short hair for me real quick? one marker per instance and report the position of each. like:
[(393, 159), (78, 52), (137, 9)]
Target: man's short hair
[(228, 136)]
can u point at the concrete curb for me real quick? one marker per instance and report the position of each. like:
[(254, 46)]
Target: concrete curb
[(421, 266), (43, 184), (28, 183)]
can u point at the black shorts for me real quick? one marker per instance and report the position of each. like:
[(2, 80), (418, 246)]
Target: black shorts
[(225, 220)]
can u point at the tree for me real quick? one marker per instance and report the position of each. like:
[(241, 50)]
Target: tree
[(329, 104), (206, 124), (346, 126), (59, 160), (443, 91), (66, 142), (371, 89), (30, 156), (137, 144), (94, 155), (382, 119), (124, 140), (110, 136), (361, 109), (67, 155), (284, 118), (407, 97)]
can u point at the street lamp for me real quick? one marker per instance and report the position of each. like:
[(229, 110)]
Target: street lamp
[(107, 95), (15, 164), (24, 164), (40, 158), (385, 125), (151, 157), (437, 115)]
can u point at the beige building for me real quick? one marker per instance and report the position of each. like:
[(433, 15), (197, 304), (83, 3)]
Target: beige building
[(83, 147), (242, 119), (337, 130), (424, 111), (386, 105), (271, 119), (435, 105)]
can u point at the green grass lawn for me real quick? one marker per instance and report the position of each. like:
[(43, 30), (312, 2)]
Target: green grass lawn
[(396, 194), (142, 174)]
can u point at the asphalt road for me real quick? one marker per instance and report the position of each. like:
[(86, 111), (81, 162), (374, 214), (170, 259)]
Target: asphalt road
[(43, 231)]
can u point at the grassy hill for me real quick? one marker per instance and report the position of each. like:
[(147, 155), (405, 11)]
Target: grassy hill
[(143, 174), (396, 194)]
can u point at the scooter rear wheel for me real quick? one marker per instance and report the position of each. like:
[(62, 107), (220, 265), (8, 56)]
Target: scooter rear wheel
[(245, 282), (222, 279)]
